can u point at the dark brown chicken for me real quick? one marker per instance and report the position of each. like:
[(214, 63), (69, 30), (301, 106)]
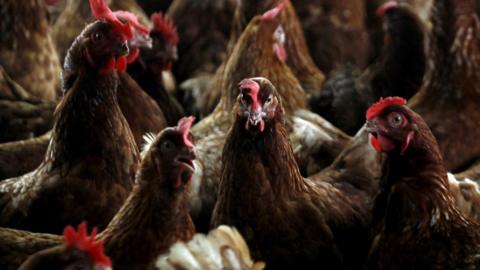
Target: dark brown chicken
[(416, 224), (254, 56), (258, 161), (78, 251), (399, 71), (27, 53), (154, 216), (91, 153), (335, 31), (450, 95)]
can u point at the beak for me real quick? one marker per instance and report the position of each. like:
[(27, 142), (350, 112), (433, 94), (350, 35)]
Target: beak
[(141, 41), (186, 156), (122, 49), (255, 118)]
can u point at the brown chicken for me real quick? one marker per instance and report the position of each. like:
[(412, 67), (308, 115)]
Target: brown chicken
[(79, 251), (66, 29), (399, 71), (91, 154), (154, 217), (259, 161), (416, 224), (254, 56), (341, 39), (27, 53), (140, 110), (290, 33), (450, 95), (222, 248)]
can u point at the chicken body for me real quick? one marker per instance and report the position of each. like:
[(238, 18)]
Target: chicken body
[(450, 95), (261, 185)]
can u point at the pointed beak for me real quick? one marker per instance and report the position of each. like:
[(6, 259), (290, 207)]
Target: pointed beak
[(371, 126), (255, 118), (122, 49)]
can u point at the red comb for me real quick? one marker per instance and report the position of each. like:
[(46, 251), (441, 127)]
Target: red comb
[(101, 11), (165, 26), (383, 8), (81, 241), (184, 126), (133, 20), (377, 108), (253, 88), (272, 13)]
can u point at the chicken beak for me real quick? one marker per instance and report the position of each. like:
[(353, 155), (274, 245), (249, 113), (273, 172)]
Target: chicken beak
[(371, 126), (122, 49), (255, 118)]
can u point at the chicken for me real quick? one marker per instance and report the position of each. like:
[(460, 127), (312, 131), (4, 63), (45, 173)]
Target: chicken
[(78, 251), (254, 56), (152, 64), (140, 110), (91, 154), (347, 93), (27, 52), (66, 29), (290, 33), (466, 192), (321, 220), (341, 39), (154, 216), (222, 248), (449, 98), (415, 223)]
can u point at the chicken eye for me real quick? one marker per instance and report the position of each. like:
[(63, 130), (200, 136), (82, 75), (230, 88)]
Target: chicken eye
[(97, 37), (269, 99), (167, 146), (396, 120)]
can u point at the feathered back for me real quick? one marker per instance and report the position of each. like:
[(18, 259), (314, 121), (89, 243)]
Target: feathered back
[(222, 248)]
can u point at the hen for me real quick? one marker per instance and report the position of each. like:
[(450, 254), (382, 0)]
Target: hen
[(416, 224), (451, 93), (154, 216), (399, 71), (290, 33), (91, 154), (78, 251), (254, 56), (318, 221), (222, 248), (27, 52), (341, 39)]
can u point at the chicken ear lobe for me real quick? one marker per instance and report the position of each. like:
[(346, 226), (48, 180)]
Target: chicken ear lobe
[(406, 142)]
